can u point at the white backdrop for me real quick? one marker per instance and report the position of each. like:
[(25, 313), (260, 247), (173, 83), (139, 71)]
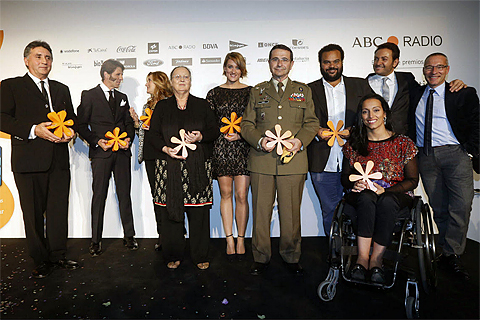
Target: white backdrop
[(82, 34)]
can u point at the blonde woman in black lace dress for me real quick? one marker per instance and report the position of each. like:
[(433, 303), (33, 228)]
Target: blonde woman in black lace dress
[(230, 153)]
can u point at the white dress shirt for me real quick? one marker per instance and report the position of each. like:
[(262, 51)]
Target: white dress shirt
[(376, 83)]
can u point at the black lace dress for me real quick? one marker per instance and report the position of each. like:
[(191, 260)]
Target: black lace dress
[(229, 158)]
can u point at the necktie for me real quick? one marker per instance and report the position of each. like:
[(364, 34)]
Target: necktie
[(385, 89), (111, 102), (45, 94), (427, 135), (280, 89)]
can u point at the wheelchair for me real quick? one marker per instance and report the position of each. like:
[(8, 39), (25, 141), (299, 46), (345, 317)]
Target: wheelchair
[(414, 229)]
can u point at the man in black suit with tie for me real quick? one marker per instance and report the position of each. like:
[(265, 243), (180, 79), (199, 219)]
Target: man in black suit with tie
[(336, 98), (40, 160), (445, 127), (102, 109), (394, 86)]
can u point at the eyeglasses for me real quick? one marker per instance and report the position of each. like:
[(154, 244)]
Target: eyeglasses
[(179, 77), (284, 60), (439, 68)]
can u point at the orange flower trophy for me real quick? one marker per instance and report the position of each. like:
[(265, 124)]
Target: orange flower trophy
[(146, 119), (232, 125), (365, 176), (182, 144), (279, 139), (116, 139), (59, 123), (335, 133)]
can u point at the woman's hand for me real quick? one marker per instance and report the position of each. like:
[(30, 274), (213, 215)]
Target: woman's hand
[(134, 116), (232, 136), (193, 136), (380, 189), (145, 127), (172, 153), (359, 186)]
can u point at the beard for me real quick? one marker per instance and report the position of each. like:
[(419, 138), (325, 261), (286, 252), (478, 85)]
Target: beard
[(330, 78)]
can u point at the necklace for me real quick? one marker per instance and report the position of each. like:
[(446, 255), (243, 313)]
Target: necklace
[(182, 106)]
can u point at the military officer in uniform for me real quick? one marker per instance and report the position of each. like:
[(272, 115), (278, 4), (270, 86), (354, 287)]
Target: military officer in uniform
[(289, 104)]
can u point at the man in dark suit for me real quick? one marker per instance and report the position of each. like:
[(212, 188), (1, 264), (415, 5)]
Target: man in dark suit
[(445, 127), (394, 86), (40, 160), (102, 109), (336, 98), (289, 104)]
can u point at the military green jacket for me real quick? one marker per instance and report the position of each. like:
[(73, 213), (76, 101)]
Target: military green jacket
[(294, 111)]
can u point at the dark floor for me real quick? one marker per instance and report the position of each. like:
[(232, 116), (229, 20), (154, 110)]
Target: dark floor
[(124, 284)]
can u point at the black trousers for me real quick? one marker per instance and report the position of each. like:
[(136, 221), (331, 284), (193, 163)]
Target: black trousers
[(173, 240), (375, 215), (150, 168), (102, 169), (44, 197)]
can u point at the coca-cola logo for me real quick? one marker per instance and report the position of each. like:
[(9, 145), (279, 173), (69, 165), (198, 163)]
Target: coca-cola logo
[(121, 49)]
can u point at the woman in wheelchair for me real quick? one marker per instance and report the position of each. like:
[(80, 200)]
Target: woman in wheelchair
[(373, 138)]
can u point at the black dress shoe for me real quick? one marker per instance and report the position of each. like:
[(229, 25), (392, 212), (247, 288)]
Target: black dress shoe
[(455, 265), (358, 272), (258, 268), (158, 245), (130, 243), (95, 249), (295, 268), (67, 264), (377, 275), (43, 270)]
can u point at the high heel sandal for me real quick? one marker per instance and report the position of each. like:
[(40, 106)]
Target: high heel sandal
[(231, 256), (240, 256)]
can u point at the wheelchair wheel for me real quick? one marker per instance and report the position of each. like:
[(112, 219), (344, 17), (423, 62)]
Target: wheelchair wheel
[(426, 248), (327, 290), (335, 244), (411, 308)]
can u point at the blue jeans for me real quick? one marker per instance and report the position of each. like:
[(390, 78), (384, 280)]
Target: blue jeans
[(447, 176), (328, 187)]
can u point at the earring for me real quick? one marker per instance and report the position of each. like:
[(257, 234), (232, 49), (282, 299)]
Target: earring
[(385, 120)]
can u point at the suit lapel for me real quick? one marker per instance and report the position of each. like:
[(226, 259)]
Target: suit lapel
[(56, 105), (402, 86), (287, 92), (449, 101), (32, 88), (272, 92)]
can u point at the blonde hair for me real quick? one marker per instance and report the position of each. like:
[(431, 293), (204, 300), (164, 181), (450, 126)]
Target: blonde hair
[(239, 60), (163, 88)]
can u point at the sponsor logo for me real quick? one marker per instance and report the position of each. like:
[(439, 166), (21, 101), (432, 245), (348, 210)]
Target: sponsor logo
[(301, 59), (70, 51), (126, 49), (129, 63), (233, 45), (153, 47), (153, 62), (181, 62), (96, 50), (262, 60), (211, 60), (182, 47), (210, 46), (267, 44), (406, 41), (71, 65), (298, 44), (97, 63)]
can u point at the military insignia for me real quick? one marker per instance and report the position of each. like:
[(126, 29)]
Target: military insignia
[(261, 90), (262, 116), (297, 97), (300, 89)]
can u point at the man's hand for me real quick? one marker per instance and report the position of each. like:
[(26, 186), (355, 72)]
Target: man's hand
[(66, 138), (321, 131), (263, 143), (41, 131), (296, 145), (103, 144), (127, 140), (457, 85)]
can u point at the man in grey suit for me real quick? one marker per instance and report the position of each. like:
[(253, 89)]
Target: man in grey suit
[(289, 104)]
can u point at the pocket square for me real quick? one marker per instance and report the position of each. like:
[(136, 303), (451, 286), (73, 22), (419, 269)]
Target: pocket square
[(123, 103)]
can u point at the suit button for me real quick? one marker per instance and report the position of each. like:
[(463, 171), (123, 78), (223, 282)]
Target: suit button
[(279, 107), (279, 117)]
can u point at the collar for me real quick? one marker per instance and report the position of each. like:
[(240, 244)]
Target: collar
[(391, 77), (341, 84), (440, 90), (105, 88), (37, 80), (275, 82)]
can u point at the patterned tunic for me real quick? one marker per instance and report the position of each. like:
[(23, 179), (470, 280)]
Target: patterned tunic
[(229, 158), (389, 157)]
